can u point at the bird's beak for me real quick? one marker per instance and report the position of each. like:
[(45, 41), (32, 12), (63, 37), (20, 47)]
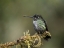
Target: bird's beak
[(28, 16)]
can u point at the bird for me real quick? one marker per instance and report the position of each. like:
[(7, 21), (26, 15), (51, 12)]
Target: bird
[(39, 24)]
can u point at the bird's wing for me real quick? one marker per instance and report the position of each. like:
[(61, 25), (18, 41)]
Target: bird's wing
[(41, 24), (45, 25)]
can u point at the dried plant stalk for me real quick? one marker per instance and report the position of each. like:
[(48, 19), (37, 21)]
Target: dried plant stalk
[(27, 40)]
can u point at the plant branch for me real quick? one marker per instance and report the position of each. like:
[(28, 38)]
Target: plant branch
[(27, 40)]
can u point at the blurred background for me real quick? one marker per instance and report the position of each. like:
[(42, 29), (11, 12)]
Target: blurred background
[(13, 24)]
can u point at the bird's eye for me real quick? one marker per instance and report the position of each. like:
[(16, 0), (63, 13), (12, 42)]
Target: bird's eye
[(38, 17), (35, 18)]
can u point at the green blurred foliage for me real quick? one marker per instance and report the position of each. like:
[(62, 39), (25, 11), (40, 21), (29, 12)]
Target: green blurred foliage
[(13, 24)]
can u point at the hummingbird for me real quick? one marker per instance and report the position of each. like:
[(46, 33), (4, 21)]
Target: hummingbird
[(39, 24)]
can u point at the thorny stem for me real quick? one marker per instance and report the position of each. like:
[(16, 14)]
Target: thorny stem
[(27, 40)]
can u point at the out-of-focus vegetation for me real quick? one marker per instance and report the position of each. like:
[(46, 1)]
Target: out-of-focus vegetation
[(13, 24)]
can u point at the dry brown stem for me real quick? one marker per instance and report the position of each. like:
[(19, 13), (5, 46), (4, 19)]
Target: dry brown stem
[(27, 40)]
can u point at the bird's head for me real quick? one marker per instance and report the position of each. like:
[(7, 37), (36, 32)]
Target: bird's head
[(35, 17)]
